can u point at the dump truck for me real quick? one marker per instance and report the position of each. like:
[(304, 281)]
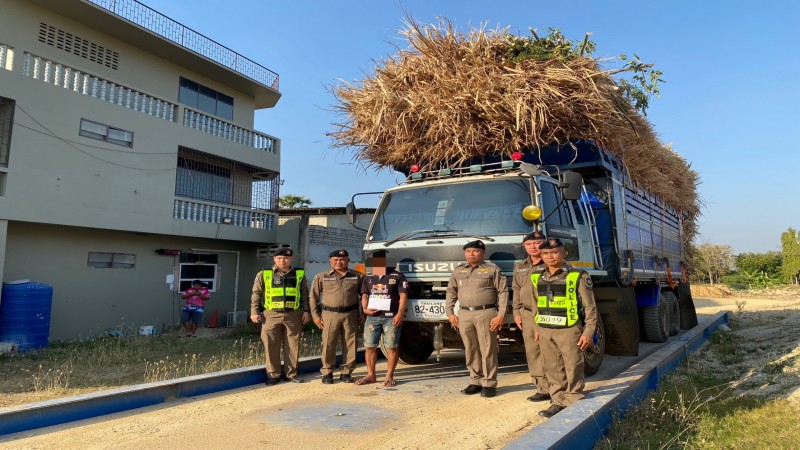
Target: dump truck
[(629, 240)]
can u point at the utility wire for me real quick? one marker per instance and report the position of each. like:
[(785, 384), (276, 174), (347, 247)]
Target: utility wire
[(70, 144)]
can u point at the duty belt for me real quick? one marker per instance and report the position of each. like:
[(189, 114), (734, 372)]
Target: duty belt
[(479, 308), (339, 309)]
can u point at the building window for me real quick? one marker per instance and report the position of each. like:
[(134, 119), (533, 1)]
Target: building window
[(103, 132), (198, 266), (205, 99), (6, 120), (206, 177), (102, 260)]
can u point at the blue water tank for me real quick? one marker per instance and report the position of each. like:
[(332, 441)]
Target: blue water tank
[(25, 308)]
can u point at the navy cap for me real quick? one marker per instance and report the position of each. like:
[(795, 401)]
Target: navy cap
[(281, 250), (475, 244), (535, 236), (341, 253), (551, 243), (379, 253)]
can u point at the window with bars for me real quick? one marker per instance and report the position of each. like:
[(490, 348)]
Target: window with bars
[(207, 177), (6, 120)]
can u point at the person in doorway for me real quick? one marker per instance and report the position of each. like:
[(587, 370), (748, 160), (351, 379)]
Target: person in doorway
[(566, 316), (192, 313), (524, 306), (384, 295), (280, 303), (482, 293), (335, 300)]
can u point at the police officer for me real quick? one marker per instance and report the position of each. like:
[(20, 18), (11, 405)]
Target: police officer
[(523, 306), (280, 303), (482, 293), (335, 300), (566, 316)]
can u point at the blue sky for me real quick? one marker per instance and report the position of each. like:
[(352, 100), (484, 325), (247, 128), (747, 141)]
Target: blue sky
[(728, 106)]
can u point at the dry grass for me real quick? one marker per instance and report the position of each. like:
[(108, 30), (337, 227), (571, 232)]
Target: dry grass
[(64, 369), (452, 96)]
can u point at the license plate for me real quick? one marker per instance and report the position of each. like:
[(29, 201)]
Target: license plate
[(427, 309)]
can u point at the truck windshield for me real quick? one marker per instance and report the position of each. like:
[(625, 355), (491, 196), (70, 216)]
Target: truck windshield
[(488, 207)]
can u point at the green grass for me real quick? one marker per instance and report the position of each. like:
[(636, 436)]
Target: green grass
[(77, 367), (696, 408)]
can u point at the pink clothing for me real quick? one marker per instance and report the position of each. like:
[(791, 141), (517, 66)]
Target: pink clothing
[(195, 300)]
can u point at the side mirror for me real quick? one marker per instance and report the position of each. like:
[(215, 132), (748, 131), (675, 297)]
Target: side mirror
[(572, 185), (350, 209)]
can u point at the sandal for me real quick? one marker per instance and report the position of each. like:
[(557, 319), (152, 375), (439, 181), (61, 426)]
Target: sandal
[(389, 383), (365, 380)]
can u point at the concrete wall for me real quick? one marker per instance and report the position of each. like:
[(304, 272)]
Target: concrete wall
[(87, 300)]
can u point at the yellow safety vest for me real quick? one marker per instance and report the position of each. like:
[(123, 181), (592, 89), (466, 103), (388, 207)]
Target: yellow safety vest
[(275, 297), (561, 310)]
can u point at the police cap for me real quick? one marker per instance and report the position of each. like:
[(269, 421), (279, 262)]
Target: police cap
[(475, 244), (535, 236), (551, 243), (380, 253), (341, 253), (281, 250)]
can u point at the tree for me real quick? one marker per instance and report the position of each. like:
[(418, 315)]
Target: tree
[(756, 270), (290, 201), (790, 241), (713, 261)]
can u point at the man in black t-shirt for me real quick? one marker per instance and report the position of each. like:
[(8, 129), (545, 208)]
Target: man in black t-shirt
[(384, 295)]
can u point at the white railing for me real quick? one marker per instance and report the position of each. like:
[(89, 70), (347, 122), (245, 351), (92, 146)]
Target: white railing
[(204, 212), (6, 56), (199, 121), (58, 74)]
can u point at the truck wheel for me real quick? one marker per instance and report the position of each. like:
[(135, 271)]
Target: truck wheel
[(415, 346), (674, 313), (593, 356), (656, 321)]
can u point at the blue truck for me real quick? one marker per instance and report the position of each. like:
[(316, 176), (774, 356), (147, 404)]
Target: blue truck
[(630, 241)]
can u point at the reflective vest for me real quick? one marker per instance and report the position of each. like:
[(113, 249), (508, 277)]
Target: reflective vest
[(559, 306), (282, 297)]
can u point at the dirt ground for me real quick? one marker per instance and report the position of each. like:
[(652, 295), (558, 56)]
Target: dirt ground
[(425, 409)]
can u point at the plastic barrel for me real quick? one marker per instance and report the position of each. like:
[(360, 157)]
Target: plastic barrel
[(25, 309)]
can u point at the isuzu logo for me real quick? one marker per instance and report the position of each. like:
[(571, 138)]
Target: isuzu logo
[(421, 267)]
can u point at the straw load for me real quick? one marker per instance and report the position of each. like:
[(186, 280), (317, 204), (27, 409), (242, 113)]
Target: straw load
[(452, 97)]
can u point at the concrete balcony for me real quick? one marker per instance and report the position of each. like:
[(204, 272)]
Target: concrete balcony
[(224, 214), (57, 74)]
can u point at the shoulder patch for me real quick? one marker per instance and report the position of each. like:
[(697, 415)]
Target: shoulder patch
[(588, 282)]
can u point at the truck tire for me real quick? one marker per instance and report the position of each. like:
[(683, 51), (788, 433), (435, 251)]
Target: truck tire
[(674, 313), (656, 321), (415, 346), (593, 356)]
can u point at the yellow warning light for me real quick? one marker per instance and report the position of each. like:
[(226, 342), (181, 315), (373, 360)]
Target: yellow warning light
[(532, 213)]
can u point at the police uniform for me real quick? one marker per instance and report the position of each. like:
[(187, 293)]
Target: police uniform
[(482, 294), (281, 298), (335, 299), (565, 311), (524, 305)]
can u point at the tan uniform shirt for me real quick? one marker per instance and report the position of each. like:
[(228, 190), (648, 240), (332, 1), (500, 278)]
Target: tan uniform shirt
[(257, 297), (479, 285), (585, 294), (522, 286), (334, 290)]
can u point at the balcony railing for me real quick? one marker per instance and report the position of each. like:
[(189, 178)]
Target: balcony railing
[(57, 74), (207, 124), (189, 39), (6, 56), (204, 212)]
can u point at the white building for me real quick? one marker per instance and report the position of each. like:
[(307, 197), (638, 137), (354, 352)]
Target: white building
[(122, 133)]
